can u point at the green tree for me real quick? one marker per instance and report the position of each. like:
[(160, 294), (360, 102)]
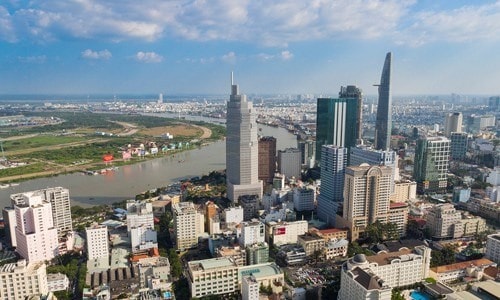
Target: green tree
[(175, 263)]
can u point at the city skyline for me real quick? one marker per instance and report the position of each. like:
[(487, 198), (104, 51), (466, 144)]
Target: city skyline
[(86, 47)]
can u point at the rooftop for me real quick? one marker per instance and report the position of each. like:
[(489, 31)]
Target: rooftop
[(398, 205), (387, 258), (212, 263), (462, 265), (259, 271), (369, 281), (490, 287)]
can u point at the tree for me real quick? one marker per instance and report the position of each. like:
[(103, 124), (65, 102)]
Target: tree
[(175, 263), (378, 232)]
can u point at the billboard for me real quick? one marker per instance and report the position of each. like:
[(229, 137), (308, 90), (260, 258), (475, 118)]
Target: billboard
[(280, 230)]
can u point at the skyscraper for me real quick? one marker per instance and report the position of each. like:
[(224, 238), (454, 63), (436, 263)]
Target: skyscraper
[(383, 125), (431, 164), (367, 192), (267, 158), (336, 123), (332, 182), (241, 147), (353, 92), (36, 235), (452, 123)]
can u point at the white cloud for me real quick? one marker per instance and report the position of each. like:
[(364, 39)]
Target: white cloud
[(40, 59), (467, 23), (265, 22), (286, 55), (229, 57), (265, 56), (268, 22), (148, 57), (6, 27), (90, 54)]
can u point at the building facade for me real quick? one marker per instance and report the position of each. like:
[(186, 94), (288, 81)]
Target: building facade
[(282, 233), (431, 164), (252, 233), (331, 195), (216, 276), (36, 236), (453, 123), (267, 158), (241, 147), (304, 198), (336, 123), (493, 248), (289, 163), (97, 241), (459, 141), (188, 225), (21, 280), (353, 92)]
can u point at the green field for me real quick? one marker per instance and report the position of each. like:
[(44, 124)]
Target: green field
[(31, 168), (40, 141)]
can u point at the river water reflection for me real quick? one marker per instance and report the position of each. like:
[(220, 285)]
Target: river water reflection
[(127, 181)]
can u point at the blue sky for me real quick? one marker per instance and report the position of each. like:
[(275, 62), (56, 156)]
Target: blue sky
[(301, 46)]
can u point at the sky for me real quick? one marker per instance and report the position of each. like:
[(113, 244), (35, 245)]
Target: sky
[(273, 46)]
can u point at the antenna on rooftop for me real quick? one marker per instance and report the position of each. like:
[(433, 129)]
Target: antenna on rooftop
[(232, 79)]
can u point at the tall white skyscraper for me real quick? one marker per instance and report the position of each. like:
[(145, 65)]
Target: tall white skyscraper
[(333, 164), (36, 235), (242, 150)]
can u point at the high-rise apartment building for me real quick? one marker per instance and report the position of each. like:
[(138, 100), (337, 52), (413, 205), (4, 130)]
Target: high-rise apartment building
[(494, 103), (367, 192), (431, 164), (459, 141), (353, 92), (333, 166), (336, 123), (188, 225), (383, 124), (453, 123), (60, 205), (22, 281), (241, 147), (267, 158), (36, 236), (289, 162), (97, 241)]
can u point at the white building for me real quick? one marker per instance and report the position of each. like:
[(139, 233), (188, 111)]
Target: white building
[(216, 276), (242, 147), (336, 248), (21, 280), (249, 288), (373, 277), (139, 214), (9, 218), (97, 241), (303, 198), (457, 271), (289, 162), (57, 282), (36, 236), (252, 233), (142, 238), (233, 215), (188, 225), (493, 247), (282, 233)]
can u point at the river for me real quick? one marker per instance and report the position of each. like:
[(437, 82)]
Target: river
[(128, 181)]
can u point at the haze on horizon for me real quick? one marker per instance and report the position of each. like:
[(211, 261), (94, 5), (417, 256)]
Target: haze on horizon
[(301, 46)]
